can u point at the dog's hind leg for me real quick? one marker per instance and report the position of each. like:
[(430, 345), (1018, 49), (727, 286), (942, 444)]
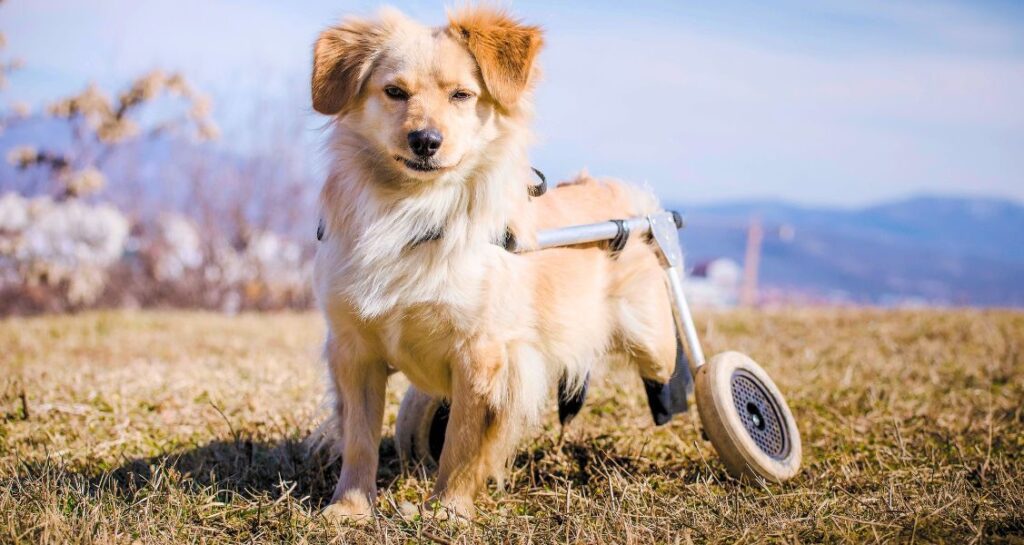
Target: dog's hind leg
[(648, 333), (643, 313), (360, 382)]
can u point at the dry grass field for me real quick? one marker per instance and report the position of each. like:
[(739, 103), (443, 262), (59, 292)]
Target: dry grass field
[(169, 427)]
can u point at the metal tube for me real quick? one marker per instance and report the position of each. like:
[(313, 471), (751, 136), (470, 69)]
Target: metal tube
[(591, 232), (684, 320), (664, 227)]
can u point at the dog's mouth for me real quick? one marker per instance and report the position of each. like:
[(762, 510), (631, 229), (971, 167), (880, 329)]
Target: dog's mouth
[(425, 165)]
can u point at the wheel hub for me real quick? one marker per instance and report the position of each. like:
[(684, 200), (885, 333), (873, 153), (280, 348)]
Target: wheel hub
[(760, 414)]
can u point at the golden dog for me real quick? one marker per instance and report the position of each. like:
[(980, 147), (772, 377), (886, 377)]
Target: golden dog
[(429, 174)]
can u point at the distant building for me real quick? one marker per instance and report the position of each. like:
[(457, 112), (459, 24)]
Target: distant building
[(714, 283)]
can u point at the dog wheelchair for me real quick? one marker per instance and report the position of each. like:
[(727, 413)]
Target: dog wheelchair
[(742, 411)]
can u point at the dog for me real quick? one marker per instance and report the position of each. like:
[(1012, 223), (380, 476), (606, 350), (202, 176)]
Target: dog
[(428, 180)]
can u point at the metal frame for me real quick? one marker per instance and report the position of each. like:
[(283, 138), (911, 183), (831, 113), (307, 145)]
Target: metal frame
[(664, 230)]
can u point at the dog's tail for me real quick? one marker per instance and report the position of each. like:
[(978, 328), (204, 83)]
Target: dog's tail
[(642, 199), (585, 199), (326, 439)]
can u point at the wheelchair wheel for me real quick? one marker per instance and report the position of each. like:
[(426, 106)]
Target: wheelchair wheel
[(420, 429), (746, 419)]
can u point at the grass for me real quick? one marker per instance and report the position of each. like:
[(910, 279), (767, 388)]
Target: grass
[(169, 427)]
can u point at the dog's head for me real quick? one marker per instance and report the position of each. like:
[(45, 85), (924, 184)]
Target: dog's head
[(424, 101)]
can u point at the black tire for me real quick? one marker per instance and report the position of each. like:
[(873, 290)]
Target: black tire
[(420, 429)]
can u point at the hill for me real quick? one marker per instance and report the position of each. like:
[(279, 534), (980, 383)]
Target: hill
[(929, 249)]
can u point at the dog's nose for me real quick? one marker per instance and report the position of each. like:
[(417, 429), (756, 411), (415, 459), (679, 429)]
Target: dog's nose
[(426, 142)]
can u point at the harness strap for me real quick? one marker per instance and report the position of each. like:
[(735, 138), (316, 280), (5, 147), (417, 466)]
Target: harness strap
[(616, 244), (542, 188), (509, 242)]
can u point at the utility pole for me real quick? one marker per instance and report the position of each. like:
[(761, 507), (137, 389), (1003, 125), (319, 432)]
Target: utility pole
[(751, 263)]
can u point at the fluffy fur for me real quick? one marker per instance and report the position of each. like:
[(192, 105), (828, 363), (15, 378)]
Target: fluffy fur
[(460, 316)]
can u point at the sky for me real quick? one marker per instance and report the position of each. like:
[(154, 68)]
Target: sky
[(821, 103)]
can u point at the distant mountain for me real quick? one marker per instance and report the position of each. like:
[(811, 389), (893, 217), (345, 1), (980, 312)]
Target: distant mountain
[(939, 250)]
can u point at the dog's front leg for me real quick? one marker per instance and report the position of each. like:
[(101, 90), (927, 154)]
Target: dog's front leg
[(481, 433), (360, 383)]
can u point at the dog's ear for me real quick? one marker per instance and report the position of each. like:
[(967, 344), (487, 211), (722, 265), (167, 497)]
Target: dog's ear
[(342, 60), (503, 47)]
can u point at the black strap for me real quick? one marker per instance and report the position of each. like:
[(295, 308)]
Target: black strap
[(509, 243), (540, 189), (621, 237)]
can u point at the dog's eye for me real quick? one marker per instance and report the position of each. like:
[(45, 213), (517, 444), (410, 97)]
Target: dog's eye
[(395, 93), (461, 95)]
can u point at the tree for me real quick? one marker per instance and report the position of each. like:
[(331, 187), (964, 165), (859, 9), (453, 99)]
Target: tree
[(100, 125)]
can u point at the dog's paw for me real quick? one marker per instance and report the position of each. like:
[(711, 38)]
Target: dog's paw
[(348, 511), (455, 509)]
